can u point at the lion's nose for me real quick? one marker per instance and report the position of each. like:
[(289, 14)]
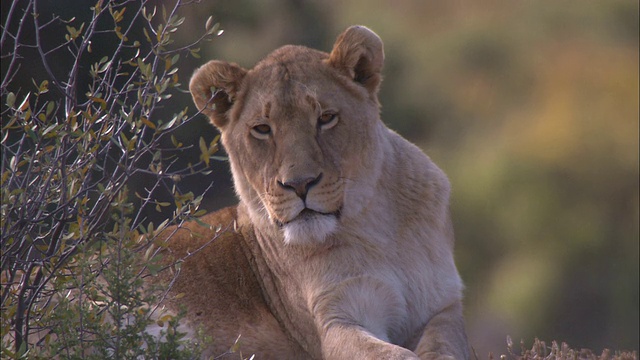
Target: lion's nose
[(301, 186)]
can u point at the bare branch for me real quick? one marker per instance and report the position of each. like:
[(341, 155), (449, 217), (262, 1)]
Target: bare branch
[(67, 159)]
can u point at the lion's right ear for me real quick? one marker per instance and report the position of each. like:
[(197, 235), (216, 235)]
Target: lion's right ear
[(359, 54), (214, 87)]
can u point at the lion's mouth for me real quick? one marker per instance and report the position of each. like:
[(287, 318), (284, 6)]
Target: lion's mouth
[(308, 215)]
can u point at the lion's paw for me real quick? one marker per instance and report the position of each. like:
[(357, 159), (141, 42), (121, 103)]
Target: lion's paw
[(436, 356)]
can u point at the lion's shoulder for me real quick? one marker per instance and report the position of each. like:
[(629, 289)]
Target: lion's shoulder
[(213, 260), (217, 286)]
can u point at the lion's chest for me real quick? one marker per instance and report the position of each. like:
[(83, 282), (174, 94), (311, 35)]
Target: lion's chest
[(390, 293)]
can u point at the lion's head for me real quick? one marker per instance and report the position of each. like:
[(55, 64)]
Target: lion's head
[(302, 130)]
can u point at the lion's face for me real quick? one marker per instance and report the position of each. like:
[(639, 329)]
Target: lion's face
[(301, 130)]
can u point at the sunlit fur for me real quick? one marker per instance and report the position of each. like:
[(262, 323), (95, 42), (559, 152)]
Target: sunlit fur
[(344, 245), (314, 229)]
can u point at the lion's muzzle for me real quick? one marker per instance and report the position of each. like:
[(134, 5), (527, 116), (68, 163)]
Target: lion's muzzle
[(301, 186), (304, 206)]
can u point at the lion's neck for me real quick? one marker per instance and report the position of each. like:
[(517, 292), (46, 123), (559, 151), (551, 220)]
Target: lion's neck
[(273, 268)]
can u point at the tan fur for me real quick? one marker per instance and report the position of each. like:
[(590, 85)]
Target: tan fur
[(344, 246)]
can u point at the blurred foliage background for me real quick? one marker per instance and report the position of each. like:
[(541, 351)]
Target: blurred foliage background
[(530, 107)]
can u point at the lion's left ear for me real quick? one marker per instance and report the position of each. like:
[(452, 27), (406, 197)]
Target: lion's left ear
[(359, 54)]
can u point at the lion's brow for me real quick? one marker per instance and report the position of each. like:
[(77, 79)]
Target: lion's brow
[(313, 101), (266, 111)]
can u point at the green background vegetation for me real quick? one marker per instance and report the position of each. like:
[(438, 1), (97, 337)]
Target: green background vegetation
[(530, 107)]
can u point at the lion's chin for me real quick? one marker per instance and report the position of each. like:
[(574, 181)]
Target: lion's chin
[(309, 228)]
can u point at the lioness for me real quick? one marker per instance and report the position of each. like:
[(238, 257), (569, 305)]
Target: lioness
[(343, 247)]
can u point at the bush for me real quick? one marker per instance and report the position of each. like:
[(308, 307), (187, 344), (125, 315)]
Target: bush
[(75, 242)]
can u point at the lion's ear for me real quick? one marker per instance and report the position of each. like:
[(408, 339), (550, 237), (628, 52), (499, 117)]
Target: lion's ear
[(214, 87), (358, 52)]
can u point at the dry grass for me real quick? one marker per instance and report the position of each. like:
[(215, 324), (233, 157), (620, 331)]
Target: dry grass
[(540, 350)]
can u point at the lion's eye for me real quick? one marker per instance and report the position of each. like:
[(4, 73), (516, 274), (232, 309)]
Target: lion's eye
[(261, 131), (328, 120)]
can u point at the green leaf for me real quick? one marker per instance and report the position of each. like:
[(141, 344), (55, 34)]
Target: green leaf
[(178, 22), (171, 72), (124, 139), (175, 141), (104, 67), (154, 268), (9, 354), (208, 24), (50, 106), (31, 134), (202, 223), (11, 99), (44, 87), (22, 351), (167, 125), (146, 35), (49, 129)]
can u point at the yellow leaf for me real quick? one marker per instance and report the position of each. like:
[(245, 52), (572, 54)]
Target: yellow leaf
[(147, 122), (103, 104), (204, 151)]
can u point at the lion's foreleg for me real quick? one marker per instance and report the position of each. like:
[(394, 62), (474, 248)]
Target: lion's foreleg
[(349, 342), (444, 336), (355, 317)]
